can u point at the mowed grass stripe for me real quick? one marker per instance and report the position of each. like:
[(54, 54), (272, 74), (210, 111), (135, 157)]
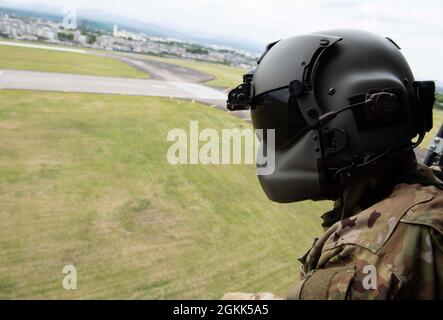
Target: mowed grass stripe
[(33, 59)]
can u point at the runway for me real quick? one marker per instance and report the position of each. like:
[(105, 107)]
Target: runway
[(166, 80), (47, 81), (163, 71)]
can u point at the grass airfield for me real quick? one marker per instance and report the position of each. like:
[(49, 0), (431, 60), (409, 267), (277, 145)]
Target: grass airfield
[(84, 180)]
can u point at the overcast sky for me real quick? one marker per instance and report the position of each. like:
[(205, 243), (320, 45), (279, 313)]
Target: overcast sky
[(417, 26)]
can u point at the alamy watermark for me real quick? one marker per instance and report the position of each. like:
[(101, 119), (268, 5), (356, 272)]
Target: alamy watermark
[(70, 280), (230, 146), (69, 17), (370, 280), (369, 21)]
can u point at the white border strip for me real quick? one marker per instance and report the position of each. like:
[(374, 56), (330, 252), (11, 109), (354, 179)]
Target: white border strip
[(28, 45)]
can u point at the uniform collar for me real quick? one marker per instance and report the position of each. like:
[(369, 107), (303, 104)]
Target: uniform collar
[(375, 184)]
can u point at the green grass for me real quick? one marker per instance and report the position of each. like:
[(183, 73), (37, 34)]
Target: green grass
[(84, 180), (22, 58), (224, 76)]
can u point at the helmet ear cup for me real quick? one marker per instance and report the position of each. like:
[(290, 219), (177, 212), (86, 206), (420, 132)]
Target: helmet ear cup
[(424, 99), (381, 106)]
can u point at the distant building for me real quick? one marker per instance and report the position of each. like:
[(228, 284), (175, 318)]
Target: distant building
[(126, 35), (37, 29), (105, 42), (50, 35), (78, 37), (217, 56)]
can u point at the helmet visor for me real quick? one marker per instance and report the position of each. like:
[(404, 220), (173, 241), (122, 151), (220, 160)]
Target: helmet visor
[(276, 110)]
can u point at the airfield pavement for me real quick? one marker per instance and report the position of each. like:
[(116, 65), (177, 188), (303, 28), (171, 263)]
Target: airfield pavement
[(166, 80)]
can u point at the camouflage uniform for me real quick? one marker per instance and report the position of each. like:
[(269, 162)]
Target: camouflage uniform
[(392, 249), (383, 240)]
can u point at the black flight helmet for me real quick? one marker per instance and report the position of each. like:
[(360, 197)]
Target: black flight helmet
[(338, 101)]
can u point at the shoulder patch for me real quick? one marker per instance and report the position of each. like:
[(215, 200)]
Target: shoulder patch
[(428, 214), (372, 227)]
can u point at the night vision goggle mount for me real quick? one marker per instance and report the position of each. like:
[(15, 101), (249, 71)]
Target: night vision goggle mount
[(239, 98)]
